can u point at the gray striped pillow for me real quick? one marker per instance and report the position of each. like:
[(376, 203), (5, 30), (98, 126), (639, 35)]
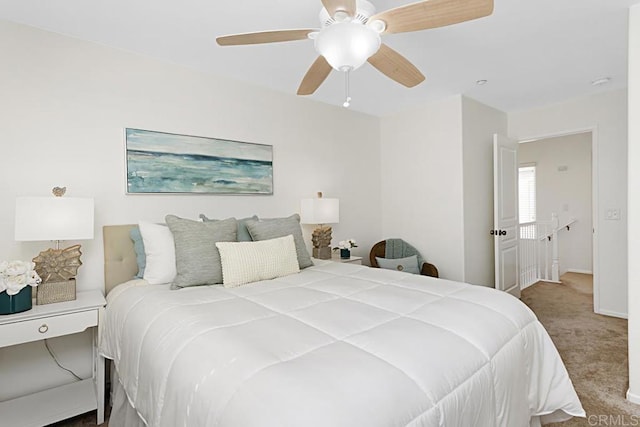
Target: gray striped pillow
[(197, 258), (279, 227)]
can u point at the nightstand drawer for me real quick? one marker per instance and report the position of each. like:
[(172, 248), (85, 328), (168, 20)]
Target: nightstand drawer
[(48, 327)]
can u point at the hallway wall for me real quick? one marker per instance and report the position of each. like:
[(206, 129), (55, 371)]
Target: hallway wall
[(563, 186)]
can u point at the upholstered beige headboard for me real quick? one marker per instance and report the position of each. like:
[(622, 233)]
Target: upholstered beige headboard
[(120, 263)]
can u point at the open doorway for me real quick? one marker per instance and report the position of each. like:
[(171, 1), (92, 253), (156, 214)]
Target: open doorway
[(556, 187)]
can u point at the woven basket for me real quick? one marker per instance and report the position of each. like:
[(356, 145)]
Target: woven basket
[(51, 292)]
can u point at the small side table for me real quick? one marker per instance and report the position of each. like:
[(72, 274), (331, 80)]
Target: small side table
[(352, 260), (49, 321)]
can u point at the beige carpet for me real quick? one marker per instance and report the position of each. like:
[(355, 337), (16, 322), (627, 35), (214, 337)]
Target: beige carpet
[(593, 347)]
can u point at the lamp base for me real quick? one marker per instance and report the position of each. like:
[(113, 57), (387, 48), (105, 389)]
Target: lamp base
[(322, 253), (321, 238), (50, 292)]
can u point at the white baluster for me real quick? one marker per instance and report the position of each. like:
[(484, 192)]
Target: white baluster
[(555, 269)]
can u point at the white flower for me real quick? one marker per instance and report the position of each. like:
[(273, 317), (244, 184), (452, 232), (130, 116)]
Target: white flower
[(15, 275), (16, 268), (346, 244)]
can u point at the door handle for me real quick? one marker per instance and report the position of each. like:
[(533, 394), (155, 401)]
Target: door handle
[(498, 232)]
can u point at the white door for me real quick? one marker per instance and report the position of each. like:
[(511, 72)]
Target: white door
[(505, 214)]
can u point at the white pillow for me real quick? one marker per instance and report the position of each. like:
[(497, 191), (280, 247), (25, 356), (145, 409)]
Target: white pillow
[(160, 252), (246, 262)]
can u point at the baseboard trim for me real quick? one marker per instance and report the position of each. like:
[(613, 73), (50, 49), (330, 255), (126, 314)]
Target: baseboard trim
[(633, 398), (577, 270), (613, 314)]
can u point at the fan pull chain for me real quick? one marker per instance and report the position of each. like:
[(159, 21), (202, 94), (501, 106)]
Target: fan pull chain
[(347, 100)]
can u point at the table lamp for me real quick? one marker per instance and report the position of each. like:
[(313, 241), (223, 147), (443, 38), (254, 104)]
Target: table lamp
[(55, 218), (320, 211)]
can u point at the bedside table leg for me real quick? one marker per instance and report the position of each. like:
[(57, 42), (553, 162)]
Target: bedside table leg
[(100, 388), (99, 371)]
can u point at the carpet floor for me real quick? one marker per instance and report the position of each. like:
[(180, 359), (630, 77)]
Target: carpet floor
[(593, 348)]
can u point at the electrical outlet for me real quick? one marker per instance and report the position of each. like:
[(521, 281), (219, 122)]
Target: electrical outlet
[(613, 214)]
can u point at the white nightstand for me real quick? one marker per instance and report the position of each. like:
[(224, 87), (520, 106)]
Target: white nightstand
[(49, 321), (352, 260)]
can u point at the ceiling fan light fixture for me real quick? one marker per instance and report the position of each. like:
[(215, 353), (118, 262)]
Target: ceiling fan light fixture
[(341, 16), (377, 25), (347, 45)]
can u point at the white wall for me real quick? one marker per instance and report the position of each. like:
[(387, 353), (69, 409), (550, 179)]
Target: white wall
[(634, 205), (421, 189), (64, 106), (606, 115), (437, 191), (479, 123), (566, 193)]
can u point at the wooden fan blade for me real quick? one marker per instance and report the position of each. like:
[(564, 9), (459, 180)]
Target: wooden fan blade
[(316, 75), (396, 67), (263, 37), (333, 6), (432, 14)]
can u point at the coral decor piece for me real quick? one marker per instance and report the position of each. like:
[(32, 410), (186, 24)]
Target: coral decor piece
[(321, 239), (56, 265)]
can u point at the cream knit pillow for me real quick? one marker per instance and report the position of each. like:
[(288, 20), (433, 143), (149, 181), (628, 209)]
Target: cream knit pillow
[(246, 262)]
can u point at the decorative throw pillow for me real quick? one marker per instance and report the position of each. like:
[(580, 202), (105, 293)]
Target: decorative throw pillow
[(138, 247), (159, 252), (407, 265), (280, 227), (247, 262), (243, 233), (197, 258)]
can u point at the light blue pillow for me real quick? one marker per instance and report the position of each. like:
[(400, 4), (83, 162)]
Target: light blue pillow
[(138, 247), (243, 233), (406, 265)]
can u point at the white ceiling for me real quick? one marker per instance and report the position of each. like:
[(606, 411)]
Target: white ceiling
[(532, 52)]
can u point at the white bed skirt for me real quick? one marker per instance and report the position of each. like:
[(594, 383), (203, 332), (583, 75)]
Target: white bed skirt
[(125, 415), (122, 413)]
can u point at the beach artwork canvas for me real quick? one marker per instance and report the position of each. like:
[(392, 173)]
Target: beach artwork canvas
[(159, 162)]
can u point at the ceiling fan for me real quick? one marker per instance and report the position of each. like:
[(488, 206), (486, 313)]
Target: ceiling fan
[(350, 36)]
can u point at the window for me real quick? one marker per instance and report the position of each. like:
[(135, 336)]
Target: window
[(527, 193)]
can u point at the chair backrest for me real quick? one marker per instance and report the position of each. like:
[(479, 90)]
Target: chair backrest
[(378, 250)]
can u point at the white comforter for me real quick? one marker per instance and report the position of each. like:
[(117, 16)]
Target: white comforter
[(336, 345)]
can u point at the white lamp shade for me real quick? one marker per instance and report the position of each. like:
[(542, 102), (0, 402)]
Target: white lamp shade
[(319, 211), (347, 45), (53, 218)]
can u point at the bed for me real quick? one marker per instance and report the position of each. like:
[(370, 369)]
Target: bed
[(334, 345)]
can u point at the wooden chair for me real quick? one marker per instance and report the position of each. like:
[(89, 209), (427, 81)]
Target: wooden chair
[(379, 250)]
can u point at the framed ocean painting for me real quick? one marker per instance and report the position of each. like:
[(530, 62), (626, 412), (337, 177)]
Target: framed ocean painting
[(159, 162)]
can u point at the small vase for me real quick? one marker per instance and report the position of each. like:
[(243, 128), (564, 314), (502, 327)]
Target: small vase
[(10, 304), (345, 253)]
